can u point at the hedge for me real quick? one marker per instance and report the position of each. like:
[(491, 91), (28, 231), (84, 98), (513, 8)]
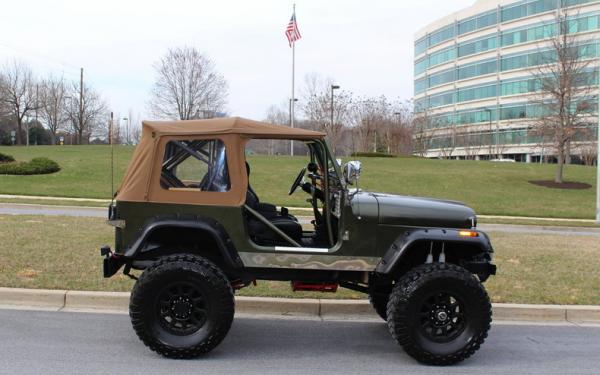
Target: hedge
[(35, 166), (6, 158)]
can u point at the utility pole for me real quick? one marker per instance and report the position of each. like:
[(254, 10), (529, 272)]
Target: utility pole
[(80, 105), (598, 154)]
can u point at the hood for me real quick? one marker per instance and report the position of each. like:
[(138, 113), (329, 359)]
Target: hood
[(423, 212)]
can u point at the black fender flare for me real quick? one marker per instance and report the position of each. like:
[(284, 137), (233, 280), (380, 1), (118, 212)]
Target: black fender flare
[(214, 228), (393, 257)]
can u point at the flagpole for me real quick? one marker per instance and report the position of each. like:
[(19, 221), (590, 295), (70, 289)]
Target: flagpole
[(293, 92)]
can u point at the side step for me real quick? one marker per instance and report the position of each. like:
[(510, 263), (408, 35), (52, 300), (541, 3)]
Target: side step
[(299, 286)]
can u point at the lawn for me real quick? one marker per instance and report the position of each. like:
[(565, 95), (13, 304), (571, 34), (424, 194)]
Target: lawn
[(490, 188), (62, 253)]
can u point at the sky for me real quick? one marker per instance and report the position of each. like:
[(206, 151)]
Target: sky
[(365, 46)]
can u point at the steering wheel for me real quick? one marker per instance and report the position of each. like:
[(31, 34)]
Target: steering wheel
[(297, 181)]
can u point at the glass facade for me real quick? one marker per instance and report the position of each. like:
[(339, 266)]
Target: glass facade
[(584, 23), (459, 106)]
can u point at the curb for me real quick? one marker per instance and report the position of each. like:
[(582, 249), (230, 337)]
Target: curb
[(64, 300)]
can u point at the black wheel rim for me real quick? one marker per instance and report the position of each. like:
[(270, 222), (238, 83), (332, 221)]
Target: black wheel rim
[(442, 317), (181, 308)]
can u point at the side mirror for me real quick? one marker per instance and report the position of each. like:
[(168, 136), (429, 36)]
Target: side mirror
[(352, 171)]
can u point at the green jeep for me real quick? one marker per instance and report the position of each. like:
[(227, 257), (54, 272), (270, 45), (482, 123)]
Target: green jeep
[(187, 216)]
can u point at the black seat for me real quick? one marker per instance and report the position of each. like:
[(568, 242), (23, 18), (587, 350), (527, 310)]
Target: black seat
[(260, 232)]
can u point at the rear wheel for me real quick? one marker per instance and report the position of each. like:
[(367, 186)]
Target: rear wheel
[(182, 306), (439, 313)]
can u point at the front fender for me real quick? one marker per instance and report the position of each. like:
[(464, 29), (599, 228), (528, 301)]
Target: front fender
[(394, 256)]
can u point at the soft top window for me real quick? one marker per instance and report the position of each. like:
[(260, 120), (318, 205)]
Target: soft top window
[(195, 164)]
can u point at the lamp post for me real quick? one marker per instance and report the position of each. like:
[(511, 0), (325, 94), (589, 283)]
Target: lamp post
[(598, 154), (126, 130), (489, 111)]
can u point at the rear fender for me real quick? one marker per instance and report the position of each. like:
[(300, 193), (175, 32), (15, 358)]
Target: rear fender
[(212, 228)]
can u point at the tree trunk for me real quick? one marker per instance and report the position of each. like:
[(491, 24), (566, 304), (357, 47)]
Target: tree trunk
[(558, 178), (19, 129)]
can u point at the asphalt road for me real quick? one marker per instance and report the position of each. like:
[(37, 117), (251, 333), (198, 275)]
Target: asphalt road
[(39, 342), (34, 209)]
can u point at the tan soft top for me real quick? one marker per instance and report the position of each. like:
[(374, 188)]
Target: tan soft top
[(230, 125), (146, 164)]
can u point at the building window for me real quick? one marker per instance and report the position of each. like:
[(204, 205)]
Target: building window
[(478, 46), (442, 56), (420, 85), (421, 46), (421, 65), (441, 35), (478, 69), (441, 78)]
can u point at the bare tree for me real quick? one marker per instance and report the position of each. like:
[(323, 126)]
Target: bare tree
[(318, 109), (563, 82), (275, 115), (371, 118), (589, 153), (88, 114), (187, 86), (17, 93), (53, 105), (398, 132), (424, 129)]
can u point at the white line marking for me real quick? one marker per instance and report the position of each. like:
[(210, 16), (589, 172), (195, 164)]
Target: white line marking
[(301, 249)]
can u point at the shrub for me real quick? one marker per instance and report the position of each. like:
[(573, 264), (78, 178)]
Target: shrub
[(35, 166), (373, 155), (6, 158)]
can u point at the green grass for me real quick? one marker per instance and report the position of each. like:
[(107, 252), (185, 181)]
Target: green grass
[(490, 188), (62, 253)]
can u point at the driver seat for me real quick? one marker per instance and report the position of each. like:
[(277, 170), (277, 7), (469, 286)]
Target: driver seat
[(261, 233)]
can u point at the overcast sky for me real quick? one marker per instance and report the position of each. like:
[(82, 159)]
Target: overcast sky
[(366, 46)]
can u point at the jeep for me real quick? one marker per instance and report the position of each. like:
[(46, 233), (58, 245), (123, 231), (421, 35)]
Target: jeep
[(187, 216)]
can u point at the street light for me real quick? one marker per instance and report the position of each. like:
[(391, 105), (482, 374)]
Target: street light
[(126, 130), (333, 87), (489, 111)]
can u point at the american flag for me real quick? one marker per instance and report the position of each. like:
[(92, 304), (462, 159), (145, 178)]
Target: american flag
[(291, 31)]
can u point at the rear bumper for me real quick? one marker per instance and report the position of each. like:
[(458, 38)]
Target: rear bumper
[(112, 263)]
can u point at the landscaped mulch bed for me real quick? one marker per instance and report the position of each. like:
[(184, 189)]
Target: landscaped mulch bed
[(564, 185)]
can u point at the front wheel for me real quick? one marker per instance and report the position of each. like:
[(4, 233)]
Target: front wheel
[(182, 306), (439, 313)]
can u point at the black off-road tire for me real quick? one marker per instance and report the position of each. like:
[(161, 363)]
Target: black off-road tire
[(379, 300), (414, 296), (171, 281)]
